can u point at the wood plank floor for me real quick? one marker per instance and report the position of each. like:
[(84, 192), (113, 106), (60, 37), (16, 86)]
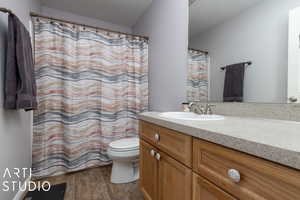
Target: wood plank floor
[(94, 184)]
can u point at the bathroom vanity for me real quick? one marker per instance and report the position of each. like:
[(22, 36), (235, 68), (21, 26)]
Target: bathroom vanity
[(217, 160)]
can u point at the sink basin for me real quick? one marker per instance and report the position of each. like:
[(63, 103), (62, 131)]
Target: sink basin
[(190, 116)]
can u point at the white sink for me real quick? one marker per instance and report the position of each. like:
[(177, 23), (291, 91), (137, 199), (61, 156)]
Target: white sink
[(190, 116)]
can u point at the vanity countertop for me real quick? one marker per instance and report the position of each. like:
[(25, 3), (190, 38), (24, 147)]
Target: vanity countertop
[(274, 140)]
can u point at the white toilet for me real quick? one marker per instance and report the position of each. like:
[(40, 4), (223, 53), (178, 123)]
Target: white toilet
[(124, 154)]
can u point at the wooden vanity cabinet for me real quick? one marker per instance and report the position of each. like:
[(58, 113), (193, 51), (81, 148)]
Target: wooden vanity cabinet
[(162, 177), (175, 166)]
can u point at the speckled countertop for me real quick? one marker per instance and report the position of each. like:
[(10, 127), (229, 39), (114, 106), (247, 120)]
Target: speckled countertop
[(274, 140)]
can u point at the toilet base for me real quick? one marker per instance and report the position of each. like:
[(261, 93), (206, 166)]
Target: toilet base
[(124, 172)]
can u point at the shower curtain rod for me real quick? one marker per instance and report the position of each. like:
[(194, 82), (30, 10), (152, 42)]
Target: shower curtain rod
[(205, 52), (33, 14)]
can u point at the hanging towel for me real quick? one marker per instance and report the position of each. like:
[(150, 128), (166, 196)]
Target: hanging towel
[(234, 83), (19, 78)]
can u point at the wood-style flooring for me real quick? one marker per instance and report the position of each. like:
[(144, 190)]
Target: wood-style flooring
[(94, 184)]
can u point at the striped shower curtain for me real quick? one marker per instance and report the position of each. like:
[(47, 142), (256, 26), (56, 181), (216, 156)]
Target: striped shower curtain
[(197, 80), (91, 86)]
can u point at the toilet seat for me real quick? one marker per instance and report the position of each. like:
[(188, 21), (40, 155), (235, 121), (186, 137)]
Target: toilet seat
[(124, 145)]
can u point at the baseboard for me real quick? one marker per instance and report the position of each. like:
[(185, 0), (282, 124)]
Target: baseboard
[(21, 194)]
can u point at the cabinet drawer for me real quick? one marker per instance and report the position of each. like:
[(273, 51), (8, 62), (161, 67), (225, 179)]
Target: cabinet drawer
[(259, 179), (177, 145), (148, 132)]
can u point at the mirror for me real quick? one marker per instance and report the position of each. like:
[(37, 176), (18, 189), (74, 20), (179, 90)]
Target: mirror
[(244, 51)]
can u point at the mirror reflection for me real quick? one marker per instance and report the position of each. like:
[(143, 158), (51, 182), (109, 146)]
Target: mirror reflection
[(246, 51)]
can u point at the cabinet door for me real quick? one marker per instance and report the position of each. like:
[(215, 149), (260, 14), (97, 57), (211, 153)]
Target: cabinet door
[(204, 190), (174, 179), (148, 171)]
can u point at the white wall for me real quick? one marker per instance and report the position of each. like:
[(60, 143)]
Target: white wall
[(15, 126), (166, 23), (259, 34), (84, 20)]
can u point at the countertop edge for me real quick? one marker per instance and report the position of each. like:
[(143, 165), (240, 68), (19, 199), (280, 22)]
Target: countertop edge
[(274, 154)]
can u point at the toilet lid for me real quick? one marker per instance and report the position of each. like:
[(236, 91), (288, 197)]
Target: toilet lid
[(125, 144)]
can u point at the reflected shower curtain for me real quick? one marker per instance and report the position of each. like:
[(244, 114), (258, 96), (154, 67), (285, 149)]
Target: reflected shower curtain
[(197, 83), (91, 86)]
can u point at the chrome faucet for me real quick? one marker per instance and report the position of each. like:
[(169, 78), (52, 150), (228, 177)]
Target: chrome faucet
[(196, 109), (201, 110)]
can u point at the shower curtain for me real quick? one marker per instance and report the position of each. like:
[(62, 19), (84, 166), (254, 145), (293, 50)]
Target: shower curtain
[(91, 84), (197, 80)]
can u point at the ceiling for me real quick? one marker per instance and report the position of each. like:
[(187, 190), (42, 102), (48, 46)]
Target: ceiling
[(121, 12), (205, 14)]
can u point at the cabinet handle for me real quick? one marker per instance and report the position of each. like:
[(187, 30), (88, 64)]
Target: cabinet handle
[(157, 156), (156, 137), (234, 175), (152, 153)]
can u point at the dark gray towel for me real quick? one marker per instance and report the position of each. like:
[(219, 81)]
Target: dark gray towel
[(234, 83), (19, 79)]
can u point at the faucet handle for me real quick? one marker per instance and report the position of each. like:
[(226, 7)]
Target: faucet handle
[(208, 109), (190, 105), (202, 109)]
